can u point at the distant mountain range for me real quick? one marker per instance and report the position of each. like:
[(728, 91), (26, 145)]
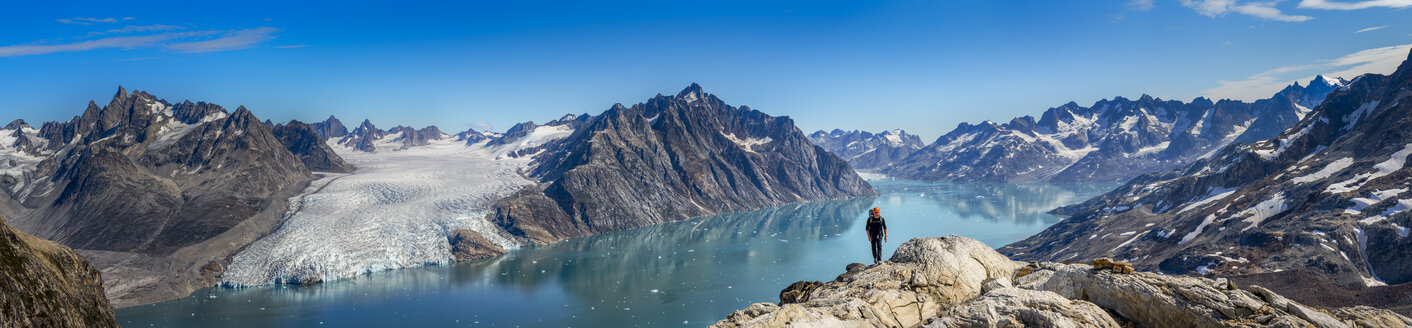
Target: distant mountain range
[(1112, 140), (1328, 196), (868, 151)]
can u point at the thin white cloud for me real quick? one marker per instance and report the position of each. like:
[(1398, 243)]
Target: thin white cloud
[(1355, 5), (139, 29), (1211, 8), (481, 126), (1262, 10), (1268, 11), (1140, 5), (292, 46), (1259, 86), (91, 20), (189, 41), (239, 39), (121, 42), (1375, 28)]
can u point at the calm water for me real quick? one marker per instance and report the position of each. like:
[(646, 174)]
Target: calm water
[(688, 273)]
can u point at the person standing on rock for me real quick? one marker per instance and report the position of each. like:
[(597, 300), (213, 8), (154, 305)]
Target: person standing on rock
[(877, 232)]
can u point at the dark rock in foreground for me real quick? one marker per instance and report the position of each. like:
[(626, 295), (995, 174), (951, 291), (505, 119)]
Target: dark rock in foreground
[(44, 284)]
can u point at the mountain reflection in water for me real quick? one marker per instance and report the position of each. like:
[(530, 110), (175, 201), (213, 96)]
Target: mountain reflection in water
[(687, 273)]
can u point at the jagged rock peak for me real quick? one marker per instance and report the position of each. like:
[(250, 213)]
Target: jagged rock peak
[(692, 93), (16, 124), (122, 93)]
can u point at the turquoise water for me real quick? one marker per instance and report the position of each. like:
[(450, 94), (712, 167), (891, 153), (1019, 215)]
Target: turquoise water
[(688, 273)]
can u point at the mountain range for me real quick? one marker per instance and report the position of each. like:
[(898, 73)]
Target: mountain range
[(1323, 203), (1112, 140), (866, 150)]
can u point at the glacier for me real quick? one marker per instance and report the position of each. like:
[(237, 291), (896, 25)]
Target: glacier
[(395, 211)]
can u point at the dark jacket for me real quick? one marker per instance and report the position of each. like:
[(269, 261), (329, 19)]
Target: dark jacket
[(876, 225)]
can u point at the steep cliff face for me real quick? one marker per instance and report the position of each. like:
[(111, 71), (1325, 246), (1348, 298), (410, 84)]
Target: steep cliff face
[(1112, 140), (303, 141), (1328, 196), (866, 150), (671, 158), (44, 284), (139, 178)]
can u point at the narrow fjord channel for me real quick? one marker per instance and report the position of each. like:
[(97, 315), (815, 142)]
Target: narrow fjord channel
[(687, 273)]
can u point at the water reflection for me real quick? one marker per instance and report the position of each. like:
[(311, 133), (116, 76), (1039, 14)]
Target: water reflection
[(1023, 203), (687, 273)]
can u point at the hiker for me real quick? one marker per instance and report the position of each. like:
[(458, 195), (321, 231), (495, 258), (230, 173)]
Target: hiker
[(877, 233)]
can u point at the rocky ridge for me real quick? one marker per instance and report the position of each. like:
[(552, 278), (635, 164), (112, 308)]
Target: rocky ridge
[(956, 281), (155, 195), (866, 150), (670, 158), (1112, 140), (1326, 197)]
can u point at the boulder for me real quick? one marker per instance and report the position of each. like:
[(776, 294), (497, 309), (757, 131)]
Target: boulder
[(956, 281), (1014, 307)]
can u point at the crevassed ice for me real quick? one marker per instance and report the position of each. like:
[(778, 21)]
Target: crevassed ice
[(395, 211)]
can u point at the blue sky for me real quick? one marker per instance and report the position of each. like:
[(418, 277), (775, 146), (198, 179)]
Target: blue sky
[(923, 66)]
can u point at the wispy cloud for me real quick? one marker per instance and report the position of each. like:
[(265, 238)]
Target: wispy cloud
[(1355, 5), (481, 126), (91, 20), (121, 42), (189, 41), (1262, 10), (292, 46), (139, 29), (1262, 85), (1140, 5), (239, 39), (1375, 28)]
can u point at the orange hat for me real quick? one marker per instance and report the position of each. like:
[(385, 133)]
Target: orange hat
[(876, 210)]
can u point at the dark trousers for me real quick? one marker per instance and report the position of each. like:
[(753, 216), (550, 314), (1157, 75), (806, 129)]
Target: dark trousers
[(877, 248)]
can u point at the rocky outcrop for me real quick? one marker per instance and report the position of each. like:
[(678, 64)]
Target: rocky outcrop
[(301, 140), (1113, 140), (1328, 196), (959, 282), (671, 158), (868, 151), (44, 284), (470, 245)]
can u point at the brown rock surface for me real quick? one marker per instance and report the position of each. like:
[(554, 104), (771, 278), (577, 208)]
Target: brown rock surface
[(44, 284)]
